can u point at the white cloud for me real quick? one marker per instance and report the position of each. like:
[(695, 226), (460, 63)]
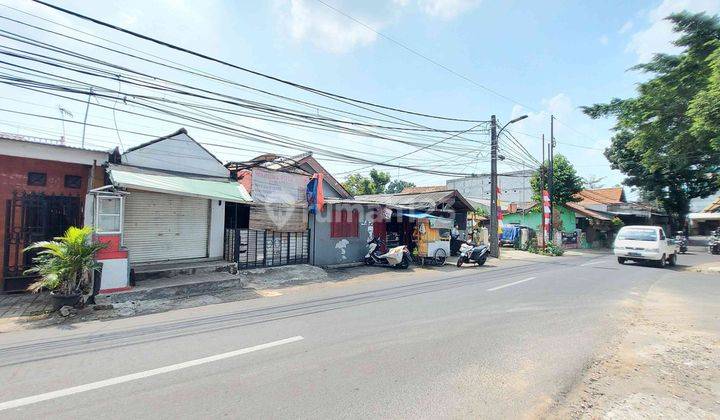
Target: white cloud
[(659, 36), (578, 138), (333, 27), (626, 27), (604, 40), (326, 28), (447, 9)]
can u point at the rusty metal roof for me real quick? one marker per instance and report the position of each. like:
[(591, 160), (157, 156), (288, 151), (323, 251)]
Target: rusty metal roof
[(419, 200)]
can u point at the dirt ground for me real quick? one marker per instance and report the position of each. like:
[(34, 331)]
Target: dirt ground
[(666, 365)]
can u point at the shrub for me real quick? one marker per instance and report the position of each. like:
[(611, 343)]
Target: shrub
[(64, 264)]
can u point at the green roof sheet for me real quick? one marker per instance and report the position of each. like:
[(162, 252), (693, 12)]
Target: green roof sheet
[(179, 185)]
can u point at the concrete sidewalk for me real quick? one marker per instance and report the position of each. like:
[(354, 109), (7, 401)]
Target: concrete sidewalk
[(24, 304)]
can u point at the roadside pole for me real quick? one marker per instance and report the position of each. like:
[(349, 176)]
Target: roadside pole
[(551, 159), (493, 234), (543, 188)]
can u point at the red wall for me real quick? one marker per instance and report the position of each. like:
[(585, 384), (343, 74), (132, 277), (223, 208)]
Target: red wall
[(13, 177)]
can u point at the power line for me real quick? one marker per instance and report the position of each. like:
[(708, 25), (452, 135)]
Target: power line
[(417, 53), (103, 74), (245, 69)]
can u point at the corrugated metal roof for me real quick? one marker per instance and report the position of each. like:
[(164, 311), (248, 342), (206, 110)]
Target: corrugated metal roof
[(171, 183), (416, 201), (586, 212), (416, 190)]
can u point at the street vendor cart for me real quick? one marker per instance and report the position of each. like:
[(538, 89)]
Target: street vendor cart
[(432, 238)]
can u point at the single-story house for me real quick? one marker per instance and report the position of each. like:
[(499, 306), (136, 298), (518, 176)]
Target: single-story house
[(164, 202), (706, 220), (395, 215), (612, 201), (530, 214), (43, 188), (278, 186)]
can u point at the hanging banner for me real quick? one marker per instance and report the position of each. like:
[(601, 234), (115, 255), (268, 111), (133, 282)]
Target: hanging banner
[(314, 194)]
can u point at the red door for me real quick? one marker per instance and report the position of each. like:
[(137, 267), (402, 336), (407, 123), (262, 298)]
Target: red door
[(379, 229)]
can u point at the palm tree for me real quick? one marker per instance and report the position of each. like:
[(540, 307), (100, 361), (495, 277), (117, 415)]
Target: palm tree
[(65, 263)]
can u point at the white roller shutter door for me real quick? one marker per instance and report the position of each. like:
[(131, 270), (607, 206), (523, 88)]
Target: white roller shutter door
[(161, 227)]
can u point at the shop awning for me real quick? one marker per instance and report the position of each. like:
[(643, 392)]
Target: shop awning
[(435, 221), (213, 189), (422, 216)]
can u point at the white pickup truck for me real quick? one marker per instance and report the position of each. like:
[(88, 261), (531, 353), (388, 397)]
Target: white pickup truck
[(645, 243)]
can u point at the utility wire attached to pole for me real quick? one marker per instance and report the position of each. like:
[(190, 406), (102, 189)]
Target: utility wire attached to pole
[(493, 234), (87, 109), (494, 135), (551, 172)]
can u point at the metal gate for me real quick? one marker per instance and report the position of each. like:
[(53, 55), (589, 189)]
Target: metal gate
[(32, 217), (251, 248)]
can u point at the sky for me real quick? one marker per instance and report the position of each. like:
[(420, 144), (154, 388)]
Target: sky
[(460, 58)]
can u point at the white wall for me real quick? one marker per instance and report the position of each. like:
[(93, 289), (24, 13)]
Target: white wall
[(512, 188), (216, 236), (178, 153)]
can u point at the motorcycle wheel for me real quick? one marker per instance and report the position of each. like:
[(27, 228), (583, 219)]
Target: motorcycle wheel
[(405, 263), (482, 260), (369, 261), (460, 262)]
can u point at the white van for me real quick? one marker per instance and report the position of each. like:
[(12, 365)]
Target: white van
[(645, 243)]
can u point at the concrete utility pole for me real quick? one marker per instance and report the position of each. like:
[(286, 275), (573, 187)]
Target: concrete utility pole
[(87, 109), (551, 172), (493, 234), (494, 134), (542, 188)]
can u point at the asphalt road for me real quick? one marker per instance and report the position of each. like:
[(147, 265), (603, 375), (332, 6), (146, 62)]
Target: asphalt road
[(501, 342)]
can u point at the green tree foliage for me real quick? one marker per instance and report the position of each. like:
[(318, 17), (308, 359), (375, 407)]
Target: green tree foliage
[(566, 182), (397, 186), (357, 184), (666, 138)]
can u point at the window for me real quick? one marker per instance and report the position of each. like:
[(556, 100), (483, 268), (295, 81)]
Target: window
[(647, 235), (109, 214), (345, 224), (37, 179), (73, 181)]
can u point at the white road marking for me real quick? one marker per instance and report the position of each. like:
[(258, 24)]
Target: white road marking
[(510, 284), (592, 262), (140, 375)]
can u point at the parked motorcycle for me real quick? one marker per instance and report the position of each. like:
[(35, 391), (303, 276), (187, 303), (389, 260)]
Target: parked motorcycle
[(713, 246), (398, 256), (469, 252)]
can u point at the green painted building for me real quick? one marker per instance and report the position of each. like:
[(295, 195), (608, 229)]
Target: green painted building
[(533, 218)]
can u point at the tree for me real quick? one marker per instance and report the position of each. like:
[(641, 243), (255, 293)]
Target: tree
[(566, 182), (397, 186), (665, 138), (357, 184), (593, 182)]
